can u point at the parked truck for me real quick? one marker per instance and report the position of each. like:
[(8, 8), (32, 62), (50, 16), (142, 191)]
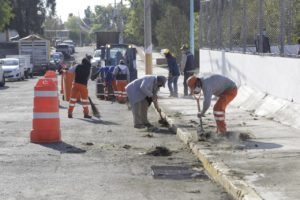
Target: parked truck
[(39, 50)]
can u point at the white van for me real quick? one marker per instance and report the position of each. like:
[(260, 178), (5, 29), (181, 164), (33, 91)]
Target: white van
[(12, 68), (2, 79)]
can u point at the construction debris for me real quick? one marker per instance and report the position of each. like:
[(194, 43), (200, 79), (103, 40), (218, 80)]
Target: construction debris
[(149, 135), (159, 151), (126, 146)]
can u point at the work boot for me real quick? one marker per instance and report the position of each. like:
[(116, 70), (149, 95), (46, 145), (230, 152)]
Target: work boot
[(139, 126), (87, 116), (70, 115), (148, 125)]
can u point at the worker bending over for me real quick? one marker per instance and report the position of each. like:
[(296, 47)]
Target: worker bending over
[(141, 92), (219, 86)]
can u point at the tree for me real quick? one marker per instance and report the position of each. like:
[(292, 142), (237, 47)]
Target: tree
[(30, 15), (134, 28), (5, 13), (88, 16), (172, 30), (77, 31), (53, 23)]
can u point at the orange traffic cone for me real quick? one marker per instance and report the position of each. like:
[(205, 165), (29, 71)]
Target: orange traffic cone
[(45, 123), (51, 75)]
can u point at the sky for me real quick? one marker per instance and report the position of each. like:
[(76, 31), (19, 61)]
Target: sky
[(64, 7)]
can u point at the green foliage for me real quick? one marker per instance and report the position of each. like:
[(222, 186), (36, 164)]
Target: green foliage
[(103, 16), (29, 15), (53, 23), (134, 28), (172, 30), (5, 13), (77, 32)]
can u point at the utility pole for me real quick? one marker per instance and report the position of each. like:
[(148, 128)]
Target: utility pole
[(261, 24), (192, 22), (147, 36)]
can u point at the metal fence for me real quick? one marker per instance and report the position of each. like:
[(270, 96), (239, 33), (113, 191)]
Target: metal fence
[(248, 25)]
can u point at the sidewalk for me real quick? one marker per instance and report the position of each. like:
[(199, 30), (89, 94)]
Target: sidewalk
[(263, 167)]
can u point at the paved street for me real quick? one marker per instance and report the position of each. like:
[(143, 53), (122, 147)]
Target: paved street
[(97, 159)]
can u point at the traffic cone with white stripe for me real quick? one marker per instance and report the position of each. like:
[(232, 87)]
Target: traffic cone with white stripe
[(46, 122), (51, 75)]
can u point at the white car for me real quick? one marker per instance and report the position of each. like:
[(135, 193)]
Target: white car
[(2, 79), (12, 68), (96, 60)]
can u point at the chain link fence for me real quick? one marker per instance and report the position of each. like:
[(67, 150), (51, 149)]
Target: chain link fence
[(250, 26)]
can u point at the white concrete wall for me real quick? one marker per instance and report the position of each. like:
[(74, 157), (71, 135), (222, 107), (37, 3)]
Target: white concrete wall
[(276, 76), (268, 86)]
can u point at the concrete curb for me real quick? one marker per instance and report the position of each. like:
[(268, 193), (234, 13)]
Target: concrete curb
[(218, 171)]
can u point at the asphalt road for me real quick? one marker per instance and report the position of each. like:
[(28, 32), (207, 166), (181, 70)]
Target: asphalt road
[(97, 159)]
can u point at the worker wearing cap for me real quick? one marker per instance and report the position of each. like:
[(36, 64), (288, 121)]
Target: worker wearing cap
[(187, 66), (122, 76), (141, 92), (173, 73), (219, 86), (79, 87)]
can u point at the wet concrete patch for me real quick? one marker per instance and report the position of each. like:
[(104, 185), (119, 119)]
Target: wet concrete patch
[(177, 172), (159, 151)]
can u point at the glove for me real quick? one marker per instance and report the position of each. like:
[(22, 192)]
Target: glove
[(200, 114), (154, 98)]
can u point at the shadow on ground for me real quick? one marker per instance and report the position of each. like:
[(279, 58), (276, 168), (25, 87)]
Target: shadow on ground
[(98, 121), (4, 88), (63, 147), (261, 145)]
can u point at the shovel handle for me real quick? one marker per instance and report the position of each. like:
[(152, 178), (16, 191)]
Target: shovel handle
[(199, 110)]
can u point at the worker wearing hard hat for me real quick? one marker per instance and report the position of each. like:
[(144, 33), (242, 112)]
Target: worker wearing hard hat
[(141, 93), (187, 66), (219, 86), (173, 73)]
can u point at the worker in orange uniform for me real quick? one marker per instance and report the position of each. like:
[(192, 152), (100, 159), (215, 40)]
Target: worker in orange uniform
[(219, 86), (122, 75), (79, 87)]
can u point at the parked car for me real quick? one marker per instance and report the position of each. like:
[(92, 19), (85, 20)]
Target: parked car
[(12, 68), (55, 60), (64, 48), (2, 79), (96, 58), (71, 45), (24, 60)]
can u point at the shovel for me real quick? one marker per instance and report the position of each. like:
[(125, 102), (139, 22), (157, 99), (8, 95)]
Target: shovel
[(162, 120), (200, 130)]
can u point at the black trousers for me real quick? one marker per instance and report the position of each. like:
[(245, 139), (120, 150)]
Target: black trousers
[(186, 76)]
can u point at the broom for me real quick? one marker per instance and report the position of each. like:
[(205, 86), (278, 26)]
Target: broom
[(95, 110)]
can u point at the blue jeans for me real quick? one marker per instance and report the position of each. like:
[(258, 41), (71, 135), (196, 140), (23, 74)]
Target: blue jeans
[(172, 84)]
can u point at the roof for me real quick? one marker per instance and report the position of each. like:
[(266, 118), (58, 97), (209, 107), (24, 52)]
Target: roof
[(32, 37)]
